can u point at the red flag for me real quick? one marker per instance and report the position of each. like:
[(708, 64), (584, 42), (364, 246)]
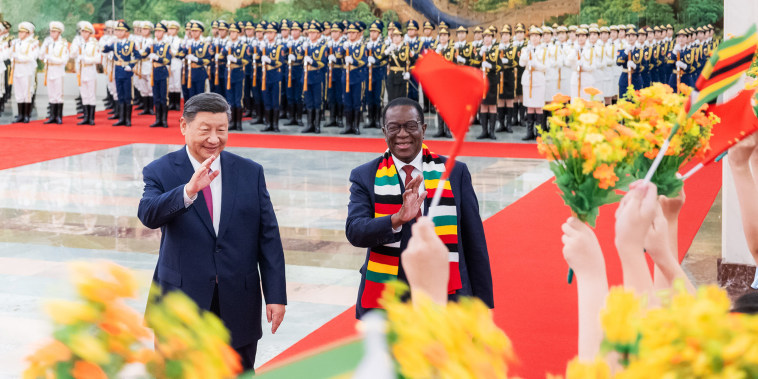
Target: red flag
[(456, 92), (738, 120)]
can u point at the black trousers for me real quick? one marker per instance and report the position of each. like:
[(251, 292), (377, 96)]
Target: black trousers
[(247, 352)]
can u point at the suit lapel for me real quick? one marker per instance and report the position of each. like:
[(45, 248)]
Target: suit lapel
[(228, 191), (185, 171)]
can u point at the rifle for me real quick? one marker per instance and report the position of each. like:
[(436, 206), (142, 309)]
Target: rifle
[(579, 71), (152, 73), (189, 68), (289, 69), (630, 71), (678, 72), (331, 52), (215, 57), (47, 50), (305, 71), (79, 73), (347, 71), (255, 65), (263, 73), (501, 72), (228, 71), (531, 72)]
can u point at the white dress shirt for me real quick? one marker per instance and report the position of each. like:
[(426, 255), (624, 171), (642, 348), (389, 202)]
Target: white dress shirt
[(215, 189), (416, 163)]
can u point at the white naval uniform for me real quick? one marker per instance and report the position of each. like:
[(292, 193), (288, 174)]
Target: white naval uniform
[(145, 69), (4, 54), (565, 69), (175, 80), (108, 66), (55, 54), (534, 60), (554, 62), (583, 62), (87, 55), (24, 63)]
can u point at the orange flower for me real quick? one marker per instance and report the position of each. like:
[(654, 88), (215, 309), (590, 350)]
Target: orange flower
[(87, 370), (605, 175), (561, 98), (54, 351), (685, 89), (564, 112), (592, 91)]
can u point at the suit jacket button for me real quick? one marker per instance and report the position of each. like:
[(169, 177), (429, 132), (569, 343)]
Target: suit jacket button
[(218, 251)]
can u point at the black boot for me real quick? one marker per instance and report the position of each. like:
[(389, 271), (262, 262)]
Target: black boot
[(491, 128), (27, 112), (317, 120), (541, 118), (59, 113), (121, 112), (341, 115), (240, 111), (332, 115), (501, 119), (259, 115), (21, 112), (269, 126), (484, 120), (91, 115), (447, 132), (158, 116), (51, 113), (128, 115), (291, 110), (299, 114), (440, 127), (356, 124), (522, 113), (349, 119), (310, 116), (530, 120), (148, 107), (86, 120), (138, 100), (248, 107), (275, 116)]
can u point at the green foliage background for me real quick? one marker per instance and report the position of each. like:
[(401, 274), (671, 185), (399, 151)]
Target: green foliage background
[(72, 11), (681, 13)]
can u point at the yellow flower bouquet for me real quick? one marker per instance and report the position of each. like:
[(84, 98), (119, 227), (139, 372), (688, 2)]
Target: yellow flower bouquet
[(96, 335), (456, 341), (652, 113), (589, 152)]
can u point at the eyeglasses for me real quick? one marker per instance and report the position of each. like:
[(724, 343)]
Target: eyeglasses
[(410, 127)]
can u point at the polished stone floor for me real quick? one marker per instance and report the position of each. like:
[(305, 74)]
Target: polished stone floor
[(84, 207)]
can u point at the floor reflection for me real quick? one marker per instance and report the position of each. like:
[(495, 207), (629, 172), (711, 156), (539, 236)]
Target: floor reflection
[(83, 207)]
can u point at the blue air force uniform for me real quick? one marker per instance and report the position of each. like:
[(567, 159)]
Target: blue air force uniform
[(197, 67), (160, 56), (377, 63), (272, 58), (293, 82), (236, 56), (314, 66), (353, 55), (334, 78), (125, 57)]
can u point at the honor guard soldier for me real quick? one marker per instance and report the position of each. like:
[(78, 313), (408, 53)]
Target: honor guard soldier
[(583, 63), (294, 85), (257, 46), (86, 57), (617, 41), (55, 54), (377, 69), (534, 61), (335, 71), (552, 61), (111, 100), (446, 50), (218, 63), (4, 52), (159, 59), (124, 60), (137, 82), (643, 68), (145, 69), (428, 42), (629, 59), (76, 42), (24, 51), (398, 66), (198, 54), (605, 72), (415, 47), (678, 58), (236, 55), (463, 48), (272, 60), (185, 64), (314, 65), (489, 58), (247, 90), (478, 36), (507, 82), (282, 39), (175, 76), (353, 54), (519, 43)]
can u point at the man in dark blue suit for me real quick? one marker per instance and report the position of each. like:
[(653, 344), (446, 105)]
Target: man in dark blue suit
[(216, 232), (386, 235)]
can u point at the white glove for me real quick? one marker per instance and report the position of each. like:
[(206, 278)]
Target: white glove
[(482, 51), (332, 58), (192, 58), (289, 44), (504, 60), (460, 59), (486, 65), (676, 49), (309, 60), (681, 65), (439, 49), (631, 64), (372, 60), (266, 59), (153, 57), (128, 68), (406, 76), (217, 56), (78, 58), (231, 59), (291, 58), (349, 60), (501, 46)]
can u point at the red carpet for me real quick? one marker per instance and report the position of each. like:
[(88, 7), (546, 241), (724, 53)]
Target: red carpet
[(533, 303), (141, 133)]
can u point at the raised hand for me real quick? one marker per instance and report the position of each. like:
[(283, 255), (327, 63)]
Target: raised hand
[(412, 201), (739, 154), (201, 178), (425, 262), (581, 249)]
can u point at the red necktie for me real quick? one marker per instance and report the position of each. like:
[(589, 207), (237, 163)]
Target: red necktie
[(408, 177)]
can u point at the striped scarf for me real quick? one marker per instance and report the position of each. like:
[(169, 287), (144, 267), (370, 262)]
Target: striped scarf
[(384, 259)]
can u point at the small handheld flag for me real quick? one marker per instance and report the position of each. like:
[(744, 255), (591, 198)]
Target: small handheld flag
[(456, 98)]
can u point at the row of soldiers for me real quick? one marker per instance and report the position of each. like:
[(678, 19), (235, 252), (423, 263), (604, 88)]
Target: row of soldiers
[(262, 68)]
